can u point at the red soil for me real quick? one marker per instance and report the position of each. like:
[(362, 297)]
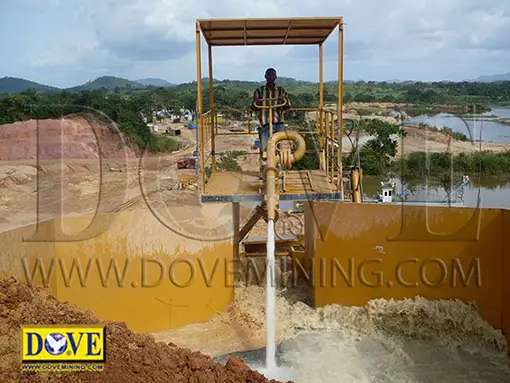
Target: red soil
[(131, 357), (75, 137)]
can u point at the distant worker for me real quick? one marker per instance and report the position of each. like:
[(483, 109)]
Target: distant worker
[(270, 90)]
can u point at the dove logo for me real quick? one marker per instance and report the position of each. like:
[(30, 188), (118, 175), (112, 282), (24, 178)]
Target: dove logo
[(55, 343), (61, 343)]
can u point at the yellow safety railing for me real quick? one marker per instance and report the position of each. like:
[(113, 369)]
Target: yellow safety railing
[(326, 128), (250, 121), (247, 120), (331, 145)]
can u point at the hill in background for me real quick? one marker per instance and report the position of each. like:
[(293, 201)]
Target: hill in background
[(10, 85), (13, 85), (154, 82), (494, 78), (109, 83)]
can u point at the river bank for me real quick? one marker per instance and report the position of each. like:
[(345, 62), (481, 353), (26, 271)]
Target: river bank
[(441, 132)]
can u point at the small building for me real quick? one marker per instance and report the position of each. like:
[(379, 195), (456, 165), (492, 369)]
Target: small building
[(387, 192)]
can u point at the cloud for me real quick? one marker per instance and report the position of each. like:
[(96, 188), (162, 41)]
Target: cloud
[(69, 42)]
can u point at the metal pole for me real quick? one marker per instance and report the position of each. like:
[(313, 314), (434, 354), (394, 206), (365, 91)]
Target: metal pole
[(211, 108), (340, 184), (321, 76), (200, 119), (321, 114)]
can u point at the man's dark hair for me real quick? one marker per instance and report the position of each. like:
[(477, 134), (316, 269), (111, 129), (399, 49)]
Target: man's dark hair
[(270, 70)]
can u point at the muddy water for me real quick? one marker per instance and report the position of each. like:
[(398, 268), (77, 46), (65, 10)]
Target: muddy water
[(482, 192), (386, 341), (342, 356), (483, 127), (414, 340)]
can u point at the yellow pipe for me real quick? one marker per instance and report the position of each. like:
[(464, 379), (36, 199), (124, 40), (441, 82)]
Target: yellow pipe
[(200, 117), (273, 159), (211, 108), (332, 155), (339, 183), (328, 140), (321, 76), (356, 192)]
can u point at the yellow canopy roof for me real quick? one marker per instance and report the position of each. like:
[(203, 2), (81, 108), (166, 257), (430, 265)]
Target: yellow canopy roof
[(287, 31)]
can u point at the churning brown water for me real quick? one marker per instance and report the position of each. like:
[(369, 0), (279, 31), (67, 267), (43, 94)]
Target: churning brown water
[(414, 340)]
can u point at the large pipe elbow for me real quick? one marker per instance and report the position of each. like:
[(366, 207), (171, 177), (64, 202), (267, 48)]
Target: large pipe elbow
[(285, 135)]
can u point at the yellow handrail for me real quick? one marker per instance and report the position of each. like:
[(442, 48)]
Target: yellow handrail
[(326, 128)]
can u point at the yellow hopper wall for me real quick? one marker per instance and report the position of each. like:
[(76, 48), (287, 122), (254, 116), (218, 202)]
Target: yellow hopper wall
[(17, 256), (353, 239), (506, 275), (164, 280), (367, 251)]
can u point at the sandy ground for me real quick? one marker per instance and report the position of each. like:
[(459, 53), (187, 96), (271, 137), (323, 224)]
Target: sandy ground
[(158, 176), (71, 186), (120, 187), (421, 140)]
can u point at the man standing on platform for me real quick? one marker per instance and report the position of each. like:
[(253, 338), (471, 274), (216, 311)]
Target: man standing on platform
[(270, 90)]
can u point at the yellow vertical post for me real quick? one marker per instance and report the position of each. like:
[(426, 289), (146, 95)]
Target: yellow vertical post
[(270, 122), (355, 182), (332, 130), (321, 75), (328, 139), (321, 108), (340, 184), (212, 112), (200, 122)]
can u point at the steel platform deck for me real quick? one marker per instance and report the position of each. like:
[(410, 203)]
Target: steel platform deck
[(246, 186)]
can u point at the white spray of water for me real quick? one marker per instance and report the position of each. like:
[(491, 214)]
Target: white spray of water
[(386, 341), (270, 298), (271, 369)]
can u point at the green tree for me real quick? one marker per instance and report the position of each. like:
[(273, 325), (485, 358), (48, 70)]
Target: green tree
[(310, 160), (384, 141), (377, 153)]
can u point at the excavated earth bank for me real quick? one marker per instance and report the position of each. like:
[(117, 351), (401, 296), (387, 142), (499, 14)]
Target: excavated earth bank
[(131, 357)]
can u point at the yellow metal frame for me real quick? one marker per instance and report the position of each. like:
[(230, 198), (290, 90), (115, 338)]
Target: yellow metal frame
[(274, 31)]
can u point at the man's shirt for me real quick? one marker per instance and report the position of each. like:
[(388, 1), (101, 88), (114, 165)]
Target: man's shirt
[(277, 92)]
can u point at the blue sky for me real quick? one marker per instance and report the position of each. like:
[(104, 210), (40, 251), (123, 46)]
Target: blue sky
[(68, 42)]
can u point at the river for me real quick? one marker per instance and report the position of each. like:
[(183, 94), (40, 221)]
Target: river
[(494, 192), (482, 127)]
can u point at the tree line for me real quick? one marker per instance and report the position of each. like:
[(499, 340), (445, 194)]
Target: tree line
[(129, 107), (129, 110)]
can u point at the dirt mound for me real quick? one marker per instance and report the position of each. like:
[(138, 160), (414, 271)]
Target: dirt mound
[(82, 137), (427, 134), (130, 357), (16, 175)]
